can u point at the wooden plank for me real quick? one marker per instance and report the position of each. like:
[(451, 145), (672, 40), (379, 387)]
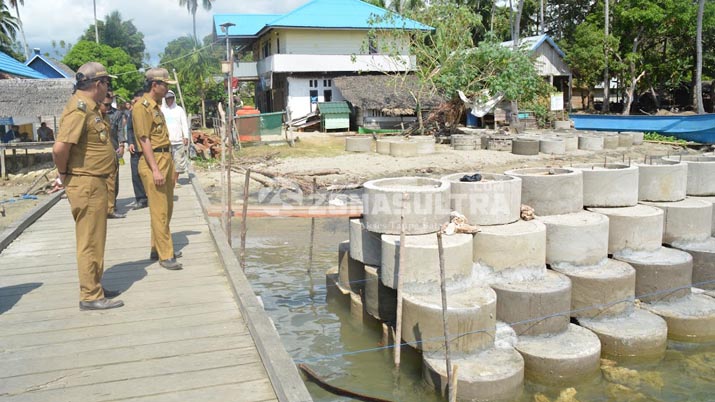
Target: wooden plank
[(12, 232)]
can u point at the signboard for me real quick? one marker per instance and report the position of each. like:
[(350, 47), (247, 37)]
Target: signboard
[(7, 121), (557, 101)]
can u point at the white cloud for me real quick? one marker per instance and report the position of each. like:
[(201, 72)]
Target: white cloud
[(159, 20)]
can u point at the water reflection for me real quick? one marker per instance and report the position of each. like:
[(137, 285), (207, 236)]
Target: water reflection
[(327, 338)]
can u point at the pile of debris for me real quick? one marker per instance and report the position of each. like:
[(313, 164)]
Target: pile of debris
[(207, 146)]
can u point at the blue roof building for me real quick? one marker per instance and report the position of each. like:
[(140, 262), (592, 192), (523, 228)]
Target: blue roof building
[(48, 66), (297, 55), (11, 68)]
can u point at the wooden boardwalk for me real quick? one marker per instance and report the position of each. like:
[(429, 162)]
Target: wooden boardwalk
[(181, 336)]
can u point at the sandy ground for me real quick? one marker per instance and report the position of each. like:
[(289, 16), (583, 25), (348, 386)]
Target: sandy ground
[(359, 167), (12, 205)]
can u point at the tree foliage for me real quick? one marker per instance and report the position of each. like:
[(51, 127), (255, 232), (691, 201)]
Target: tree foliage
[(115, 32), (8, 28), (116, 60)]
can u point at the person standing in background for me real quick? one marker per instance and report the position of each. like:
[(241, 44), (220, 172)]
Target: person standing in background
[(117, 137), (45, 133), (178, 125), (135, 152)]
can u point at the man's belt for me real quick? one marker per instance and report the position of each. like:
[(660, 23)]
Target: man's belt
[(101, 176), (162, 149)]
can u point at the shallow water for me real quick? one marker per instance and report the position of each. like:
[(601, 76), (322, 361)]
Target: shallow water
[(350, 355)]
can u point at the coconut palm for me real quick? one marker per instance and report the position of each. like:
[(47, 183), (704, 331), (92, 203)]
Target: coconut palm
[(8, 26), (15, 4), (192, 6), (699, 59)]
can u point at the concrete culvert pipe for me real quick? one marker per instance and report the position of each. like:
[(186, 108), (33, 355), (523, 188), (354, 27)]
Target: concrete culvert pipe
[(686, 221), (625, 140), (403, 149), (358, 144), (610, 141), (579, 238), (590, 142), (426, 207), (701, 173), (383, 146), (570, 139), (662, 180), (550, 191), (463, 142), (525, 146), (638, 138), (552, 146), (633, 229), (662, 275), (609, 184), (495, 200), (640, 333)]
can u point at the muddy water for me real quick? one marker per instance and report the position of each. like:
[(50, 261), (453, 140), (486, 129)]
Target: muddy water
[(350, 355)]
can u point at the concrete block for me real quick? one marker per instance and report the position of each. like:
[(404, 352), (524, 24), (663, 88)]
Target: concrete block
[(552, 146), (521, 244), (579, 238), (403, 149), (351, 272), (689, 319), (701, 170), (686, 221), (422, 259), (712, 201), (383, 146), (570, 140), (563, 124), (494, 374), (426, 207), (609, 184), (525, 146), (590, 142), (550, 191), (470, 313), (610, 140), (380, 301), (662, 180), (495, 200), (569, 357), (358, 144), (703, 254), (662, 275), (637, 138), (600, 291), (333, 289), (637, 334), (462, 142), (365, 246), (522, 305), (638, 228), (625, 140)]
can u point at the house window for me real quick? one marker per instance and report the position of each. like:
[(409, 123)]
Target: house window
[(266, 49), (372, 45), (327, 83), (328, 95), (313, 99), (313, 83), (278, 45)]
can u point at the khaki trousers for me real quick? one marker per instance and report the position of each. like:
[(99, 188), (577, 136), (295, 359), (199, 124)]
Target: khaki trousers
[(161, 202), (112, 191), (88, 200)]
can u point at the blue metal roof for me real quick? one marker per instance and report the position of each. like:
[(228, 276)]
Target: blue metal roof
[(14, 67), (533, 42), (47, 67), (330, 14)]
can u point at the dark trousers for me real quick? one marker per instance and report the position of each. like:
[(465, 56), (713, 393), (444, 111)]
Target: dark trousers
[(139, 193)]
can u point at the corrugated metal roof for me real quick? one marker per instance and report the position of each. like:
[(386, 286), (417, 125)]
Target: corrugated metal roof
[(63, 70), (333, 107), (336, 14), (533, 42), (14, 67)]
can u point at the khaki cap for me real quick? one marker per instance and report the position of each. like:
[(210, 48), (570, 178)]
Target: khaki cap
[(158, 74), (92, 71)]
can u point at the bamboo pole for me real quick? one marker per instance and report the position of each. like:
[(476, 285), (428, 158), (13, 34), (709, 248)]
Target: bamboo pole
[(243, 219), (312, 229), (229, 131), (453, 385), (398, 324), (445, 324)]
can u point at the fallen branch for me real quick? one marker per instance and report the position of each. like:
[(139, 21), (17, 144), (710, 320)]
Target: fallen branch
[(337, 390), (339, 187), (316, 172)]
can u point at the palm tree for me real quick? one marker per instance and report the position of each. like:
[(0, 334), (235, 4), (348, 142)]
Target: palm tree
[(8, 26), (192, 6), (15, 4), (699, 59)]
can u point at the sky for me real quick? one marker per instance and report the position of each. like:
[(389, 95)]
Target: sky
[(160, 21)]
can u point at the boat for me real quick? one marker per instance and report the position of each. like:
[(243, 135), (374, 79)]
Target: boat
[(696, 127)]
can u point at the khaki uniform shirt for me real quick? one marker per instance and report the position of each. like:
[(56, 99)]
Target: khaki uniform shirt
[(148, 121), (82, 125)]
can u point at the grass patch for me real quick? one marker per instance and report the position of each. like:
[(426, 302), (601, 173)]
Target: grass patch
[(664, 138)]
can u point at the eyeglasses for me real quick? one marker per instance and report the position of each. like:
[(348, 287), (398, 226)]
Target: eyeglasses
[(107, 104)]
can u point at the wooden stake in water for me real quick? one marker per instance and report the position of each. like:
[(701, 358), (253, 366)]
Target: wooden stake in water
[(312, 227), (445, 324), (401, 264), (453, 385), (244, 212)]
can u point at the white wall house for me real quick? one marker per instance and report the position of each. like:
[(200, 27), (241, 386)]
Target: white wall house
[(297, 55)]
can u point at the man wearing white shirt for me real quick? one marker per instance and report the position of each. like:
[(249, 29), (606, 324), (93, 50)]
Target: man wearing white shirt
[(177, 123)]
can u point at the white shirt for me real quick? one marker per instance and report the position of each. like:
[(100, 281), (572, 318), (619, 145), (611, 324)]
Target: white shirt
[(176, 122)]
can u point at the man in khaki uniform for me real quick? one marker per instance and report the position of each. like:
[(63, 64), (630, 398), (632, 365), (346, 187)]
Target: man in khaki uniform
[(105, 107), (85, 158), (156, 165)]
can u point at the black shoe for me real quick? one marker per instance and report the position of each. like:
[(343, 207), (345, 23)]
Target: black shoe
[(139, 205), (100, 304), (111, 294), (171, 264), (116, 215), (155, 256)]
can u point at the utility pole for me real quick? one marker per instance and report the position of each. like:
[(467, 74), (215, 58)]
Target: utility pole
[(541, 18), (96, 29), (606, 76)]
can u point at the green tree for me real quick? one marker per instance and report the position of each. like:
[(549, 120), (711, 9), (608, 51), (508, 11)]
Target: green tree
[(585, 57), (116, 60), (195, 68), (193, 6), (115, 32), (15, 4), (8, 28)]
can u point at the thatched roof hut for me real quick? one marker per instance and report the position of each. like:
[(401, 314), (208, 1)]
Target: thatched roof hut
[(32, 99), (388, 94)]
